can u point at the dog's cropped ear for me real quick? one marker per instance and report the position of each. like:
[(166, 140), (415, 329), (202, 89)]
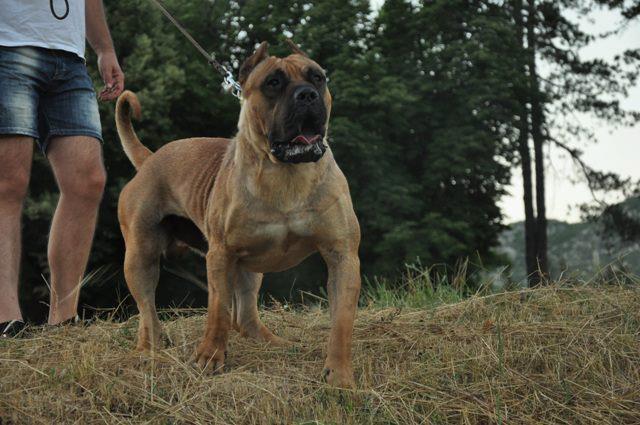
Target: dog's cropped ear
[(294, 47), (249, 65)]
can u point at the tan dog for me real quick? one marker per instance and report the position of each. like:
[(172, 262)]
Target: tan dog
[(261, 202)]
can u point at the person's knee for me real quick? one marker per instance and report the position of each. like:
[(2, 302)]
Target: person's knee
[(13, 185), (92, 187), (89, 187)]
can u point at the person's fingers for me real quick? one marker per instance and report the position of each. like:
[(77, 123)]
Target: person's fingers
[(108, 94), (119, 85), (109, 81), (104, 93)]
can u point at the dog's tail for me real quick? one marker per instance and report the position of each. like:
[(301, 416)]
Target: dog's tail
[(126, 106)]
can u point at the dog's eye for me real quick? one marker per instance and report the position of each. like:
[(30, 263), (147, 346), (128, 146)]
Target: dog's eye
[(273, 82), (318, 78)]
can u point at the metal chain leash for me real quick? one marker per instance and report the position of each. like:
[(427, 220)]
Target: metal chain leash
[(229, 83)]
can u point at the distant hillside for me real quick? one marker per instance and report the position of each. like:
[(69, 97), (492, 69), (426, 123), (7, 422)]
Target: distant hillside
[(578, 249)]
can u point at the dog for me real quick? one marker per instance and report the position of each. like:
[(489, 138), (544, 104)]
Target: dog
[(260, 202)]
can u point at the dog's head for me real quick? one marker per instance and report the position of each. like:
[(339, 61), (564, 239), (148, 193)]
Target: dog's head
[(286, 105)]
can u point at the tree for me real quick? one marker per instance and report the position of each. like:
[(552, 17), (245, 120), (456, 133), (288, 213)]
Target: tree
[(454, 57), (537, 135), (523, 145)]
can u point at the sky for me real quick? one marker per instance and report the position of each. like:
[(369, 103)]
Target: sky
[(617, 149)]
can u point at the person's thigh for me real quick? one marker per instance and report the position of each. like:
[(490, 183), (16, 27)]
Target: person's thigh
[(69, 107), (16, 153), (22, 77)]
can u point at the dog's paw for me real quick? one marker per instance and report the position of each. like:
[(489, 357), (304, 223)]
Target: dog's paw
[(277, 341), (144, 346), (210, 357), (150, 339), (267, 336), (338, 377), (260, 332)]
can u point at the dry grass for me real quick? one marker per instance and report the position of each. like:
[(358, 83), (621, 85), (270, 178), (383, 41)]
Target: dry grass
[(553, 355)]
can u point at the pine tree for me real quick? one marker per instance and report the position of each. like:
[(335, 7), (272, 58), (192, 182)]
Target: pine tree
[(523, 146)]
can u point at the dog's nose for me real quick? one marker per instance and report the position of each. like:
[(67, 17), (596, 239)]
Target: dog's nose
[(306, 95)]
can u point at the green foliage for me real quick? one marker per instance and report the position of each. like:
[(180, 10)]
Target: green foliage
[(454, 59)]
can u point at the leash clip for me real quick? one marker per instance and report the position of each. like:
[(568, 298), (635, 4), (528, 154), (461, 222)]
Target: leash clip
[(229, 84)]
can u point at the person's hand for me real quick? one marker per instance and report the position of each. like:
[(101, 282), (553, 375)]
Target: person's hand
[(111, 74)]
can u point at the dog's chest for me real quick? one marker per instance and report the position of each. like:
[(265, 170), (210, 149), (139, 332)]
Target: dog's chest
[(284, 229), (272, 242)]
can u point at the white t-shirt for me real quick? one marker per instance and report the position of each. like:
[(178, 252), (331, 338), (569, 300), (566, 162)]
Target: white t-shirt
[(31, 23)]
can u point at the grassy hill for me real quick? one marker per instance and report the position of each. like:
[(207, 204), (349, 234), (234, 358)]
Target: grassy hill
[(559, 354)]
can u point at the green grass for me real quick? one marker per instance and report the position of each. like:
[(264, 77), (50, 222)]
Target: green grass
[(420, 287), (415, 292)]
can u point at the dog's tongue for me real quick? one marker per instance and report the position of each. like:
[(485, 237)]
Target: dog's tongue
[(307, 140)]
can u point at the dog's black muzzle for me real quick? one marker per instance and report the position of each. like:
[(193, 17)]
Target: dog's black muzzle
[(300, 135), (300, 138)]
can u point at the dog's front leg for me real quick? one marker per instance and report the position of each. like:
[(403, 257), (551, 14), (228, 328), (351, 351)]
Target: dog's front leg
[(344, 290), (211, 351)]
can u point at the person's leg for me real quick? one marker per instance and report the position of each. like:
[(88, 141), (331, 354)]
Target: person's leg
[(80, 174), (15, 167), (22, 72)]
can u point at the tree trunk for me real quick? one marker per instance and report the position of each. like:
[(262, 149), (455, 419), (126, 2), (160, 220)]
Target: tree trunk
[(525, 156), (537, 122)]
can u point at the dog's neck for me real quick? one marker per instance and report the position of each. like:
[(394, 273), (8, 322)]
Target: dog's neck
[(281, 185)]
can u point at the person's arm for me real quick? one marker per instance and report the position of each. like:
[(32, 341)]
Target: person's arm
[(100, 41)]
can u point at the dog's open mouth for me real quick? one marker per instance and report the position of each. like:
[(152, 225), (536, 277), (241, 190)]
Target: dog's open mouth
[(301, 148)]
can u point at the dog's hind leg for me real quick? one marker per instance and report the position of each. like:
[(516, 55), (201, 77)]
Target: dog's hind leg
[(142, 270), (245, 308)]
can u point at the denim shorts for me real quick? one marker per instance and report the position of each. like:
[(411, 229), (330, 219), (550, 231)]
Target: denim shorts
[(46, 93)]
